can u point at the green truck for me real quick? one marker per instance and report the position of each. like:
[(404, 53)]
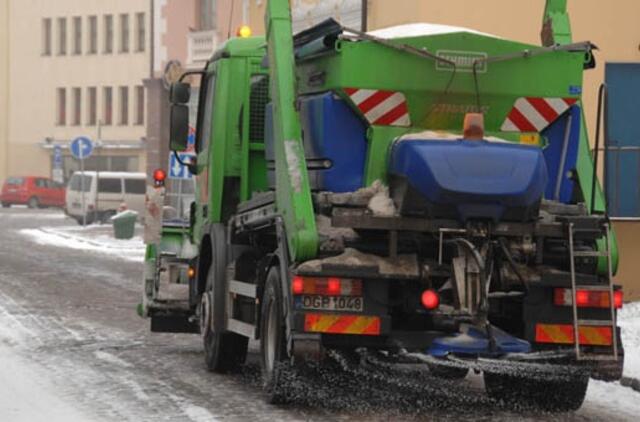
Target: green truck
[(423, 193)]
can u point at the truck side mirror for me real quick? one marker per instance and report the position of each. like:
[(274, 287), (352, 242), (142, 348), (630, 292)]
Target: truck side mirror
[(180, 93), (179, 127)]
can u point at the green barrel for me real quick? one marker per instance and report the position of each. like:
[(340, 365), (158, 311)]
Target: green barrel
[(124, 224)]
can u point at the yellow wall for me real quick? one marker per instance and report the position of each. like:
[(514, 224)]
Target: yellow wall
[(4, 87)]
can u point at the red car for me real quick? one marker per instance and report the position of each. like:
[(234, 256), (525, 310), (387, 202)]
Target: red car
[(33, 191)]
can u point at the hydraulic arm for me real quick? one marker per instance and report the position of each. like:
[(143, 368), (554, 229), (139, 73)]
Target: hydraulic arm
[(293, 194)]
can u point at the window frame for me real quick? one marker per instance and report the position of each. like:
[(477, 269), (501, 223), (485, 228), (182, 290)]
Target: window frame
[(141, 32), (61, 106), (125, 33), (123, 105), (76, 117), (107, 109), (92, 39), (107, 47), (77, 36), (62, 36), (47, 37)]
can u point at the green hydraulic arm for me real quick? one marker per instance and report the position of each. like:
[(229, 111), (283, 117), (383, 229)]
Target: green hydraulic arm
[(556, 29), (293, 194)]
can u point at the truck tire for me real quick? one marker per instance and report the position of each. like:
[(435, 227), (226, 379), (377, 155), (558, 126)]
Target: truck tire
[(273, 348), (6, 205), (551, 395), (33, 202), (223, 351)]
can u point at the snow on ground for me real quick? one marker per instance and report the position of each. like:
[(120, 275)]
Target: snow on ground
[(629, 321), (26, 394), (93, 238), (608, 395)]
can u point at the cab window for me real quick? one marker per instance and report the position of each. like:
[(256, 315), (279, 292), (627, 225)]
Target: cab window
[(206, 114)]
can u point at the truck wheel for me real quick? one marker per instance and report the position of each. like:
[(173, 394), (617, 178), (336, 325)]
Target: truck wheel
[(273, 349), (6, 205), (223, 351), (33, 202), (555, 395)]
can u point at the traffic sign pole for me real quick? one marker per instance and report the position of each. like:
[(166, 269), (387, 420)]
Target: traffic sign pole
[(81, 148)]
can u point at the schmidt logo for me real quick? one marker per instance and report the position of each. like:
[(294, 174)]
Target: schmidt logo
[(463, 59)]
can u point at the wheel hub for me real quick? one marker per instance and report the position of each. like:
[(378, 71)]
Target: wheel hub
[(205, 313)]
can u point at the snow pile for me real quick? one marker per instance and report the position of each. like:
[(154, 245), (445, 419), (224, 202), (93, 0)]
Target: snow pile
[(421, 30), (91, 239), (381, 204), (629, 321)]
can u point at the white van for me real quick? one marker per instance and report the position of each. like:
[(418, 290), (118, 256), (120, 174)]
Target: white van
[(104, 193)]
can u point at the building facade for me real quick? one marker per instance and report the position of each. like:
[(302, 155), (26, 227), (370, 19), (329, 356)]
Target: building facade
[(76, 68), (4, 87)]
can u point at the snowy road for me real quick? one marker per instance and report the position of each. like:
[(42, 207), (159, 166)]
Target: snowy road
[(72, 348)]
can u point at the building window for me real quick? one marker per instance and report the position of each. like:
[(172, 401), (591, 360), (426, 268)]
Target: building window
[(139, 105), (62, 36), (92, 46), (46, 37), (92, 106), (107, 106), (124, 105), (207, 15), (124, 33), (108, 34), (77, 35), (77, 107), (141, 34), (61, 107)]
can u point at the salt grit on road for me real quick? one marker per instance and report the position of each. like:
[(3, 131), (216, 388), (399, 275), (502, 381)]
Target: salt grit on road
[(97, 239), (26, 394)]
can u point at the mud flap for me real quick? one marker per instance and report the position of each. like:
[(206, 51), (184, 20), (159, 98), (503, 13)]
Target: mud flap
[(174, 324)]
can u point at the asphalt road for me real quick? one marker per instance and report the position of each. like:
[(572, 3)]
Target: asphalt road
[(71, 314)]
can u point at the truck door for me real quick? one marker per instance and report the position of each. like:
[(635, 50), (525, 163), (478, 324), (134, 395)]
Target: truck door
[(622, 141)]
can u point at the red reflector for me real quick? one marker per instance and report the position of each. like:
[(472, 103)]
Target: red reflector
[(582, 298), (329, 286), (430, 299), (333, 286), (159, 176), (298, 285), (618, 299), (587, 298)]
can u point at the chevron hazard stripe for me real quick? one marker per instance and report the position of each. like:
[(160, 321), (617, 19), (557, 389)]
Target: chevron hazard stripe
[(534, 114), (342, 324), (379, 107), (563, 334)]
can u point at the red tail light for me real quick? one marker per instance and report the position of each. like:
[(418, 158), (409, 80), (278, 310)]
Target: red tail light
[(430, 299), (587, 298), (159, 177), (326, 286)]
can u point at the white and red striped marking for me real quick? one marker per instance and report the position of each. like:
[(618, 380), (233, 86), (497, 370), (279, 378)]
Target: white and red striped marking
[(534, 114), (379, 107)]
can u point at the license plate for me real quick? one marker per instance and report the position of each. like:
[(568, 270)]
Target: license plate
[(331, 303)]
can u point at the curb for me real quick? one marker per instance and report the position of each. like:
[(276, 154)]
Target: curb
[(632, 383)]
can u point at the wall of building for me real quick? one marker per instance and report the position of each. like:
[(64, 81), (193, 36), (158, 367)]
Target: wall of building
[(37, 76), (4, 87)]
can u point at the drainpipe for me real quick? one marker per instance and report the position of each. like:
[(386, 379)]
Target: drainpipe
[(365, 15)]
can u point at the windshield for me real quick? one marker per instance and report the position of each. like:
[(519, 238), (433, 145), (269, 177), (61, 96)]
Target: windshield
[(76, 183)]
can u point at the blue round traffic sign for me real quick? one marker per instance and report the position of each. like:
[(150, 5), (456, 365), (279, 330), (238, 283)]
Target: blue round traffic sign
[(81, 147)]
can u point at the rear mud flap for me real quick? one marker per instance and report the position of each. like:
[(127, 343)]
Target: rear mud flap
[(174, 324)]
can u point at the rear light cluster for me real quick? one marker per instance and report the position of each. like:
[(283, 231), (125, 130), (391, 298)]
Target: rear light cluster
[(326, 286), (587, 298)]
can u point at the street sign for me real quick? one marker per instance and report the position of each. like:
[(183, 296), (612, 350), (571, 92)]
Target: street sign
[(81, 147), (57, 157), (177, 170), (191, 141)]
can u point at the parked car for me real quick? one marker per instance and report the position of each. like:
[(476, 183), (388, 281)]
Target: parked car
[(104, 194), (33, 191)]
